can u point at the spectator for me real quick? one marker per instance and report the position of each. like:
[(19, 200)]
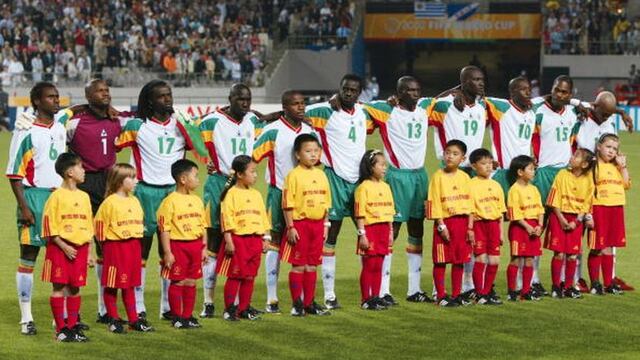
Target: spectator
[(4, 110), (37, 67), (16, 70)]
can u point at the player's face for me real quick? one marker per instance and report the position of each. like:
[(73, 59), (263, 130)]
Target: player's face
[(191, 180), (99, 95), (608, 150), (129, 183), (295, 107), (483, 167), (475, 83), (249, 176), (162, 100), (411, 93), (528, 173), (561, 93), (379, 167), (49, 102), (522, 93), (349, 92), (240, 103), (453, 157), (309, 154), (76, 173)]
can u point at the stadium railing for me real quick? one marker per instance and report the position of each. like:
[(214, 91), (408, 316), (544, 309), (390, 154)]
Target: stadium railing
[(578, 47)]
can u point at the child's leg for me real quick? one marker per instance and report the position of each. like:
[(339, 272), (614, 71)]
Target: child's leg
[(594, 263), (478, 273), (175, 293), (57, 305), (129, 300), (246, 291), (527, 274), (188, 298), (457, 272), (309, 284), (556, 268), (535, 275), (377, 274), (467, 278), (110, 297), (569, 271), (607, 266), (512, 273), (439, 270), (231, 287), (490, 274), (73, 306), (365, 281), (296, 276)]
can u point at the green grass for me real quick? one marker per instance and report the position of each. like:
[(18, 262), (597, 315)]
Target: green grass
[(594, 327)]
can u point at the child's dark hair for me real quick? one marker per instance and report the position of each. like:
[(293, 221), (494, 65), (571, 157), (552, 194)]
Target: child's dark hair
[(519, 162), (238, 166), (460, 144), (65, 161), (479, 154), (180, 167), (302, 139), (366, 164)]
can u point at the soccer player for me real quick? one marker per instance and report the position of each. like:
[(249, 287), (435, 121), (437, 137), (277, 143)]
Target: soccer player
[(486, 231), (245, 225), (227, 133), (449, 205), (403, 129), (31, 172), (343, 134), (306, 200), (276, 144), (157, 140), (67, 224), (181, 223)]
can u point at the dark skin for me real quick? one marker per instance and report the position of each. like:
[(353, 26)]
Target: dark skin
[(560, 95), (47, 105), (162, 103), (239, 103), (471, 84), (605, 106), (99, 98), (348, 94), (520, 93)]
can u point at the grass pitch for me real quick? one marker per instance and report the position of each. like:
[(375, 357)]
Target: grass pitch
[(594, 327)]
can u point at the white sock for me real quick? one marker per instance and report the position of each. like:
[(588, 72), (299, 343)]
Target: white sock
[(467, 277), (101, 308), (536, 266), (562, 270), (578, 273), (414, 265), (24, 282), (613, 251), (164, 295), (519, 277), (272, 267), (329, 276), (385, 285), (139, 292), (434, 292), (209, 278)]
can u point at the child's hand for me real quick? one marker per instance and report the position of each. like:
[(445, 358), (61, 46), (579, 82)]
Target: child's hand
[(564, 224), (229, 248), (530, 230), (445, 235), (69, 250), (168, 260), (621, 160), (292, 236), (91, 260), (363, 243), (471, 237), (572, 225), (204, 256), (325, 233), (265, 246), (589, 224), (391, 237), (537, 231)]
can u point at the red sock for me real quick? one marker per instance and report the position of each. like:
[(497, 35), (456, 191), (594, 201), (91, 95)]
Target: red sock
[(365, 287), (569, 272), (129, 300), (438, 279), (231, 288), (556, 269), (512, 277), (489, 278), (295, 284), (607, 269), (175, 299), (376, 275), (188, 301), (478, 276), (457, 272), (110, 297), (57, 309), (309, 285), (246, 291), (527, 274), (73, 309), (594, 263)]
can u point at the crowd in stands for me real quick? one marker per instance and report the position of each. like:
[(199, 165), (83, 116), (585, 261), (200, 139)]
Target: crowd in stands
[(589, 27)]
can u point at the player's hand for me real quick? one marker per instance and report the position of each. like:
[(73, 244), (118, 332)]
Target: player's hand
[(572, 225), (363, 243), (471, 237), (257, 113), (334, 102), (458, 100), (168, 260), (325, 233), (621, 160), (229, 248), (80, 108), (537, 231), (26, 217), (91, 260), (445, 235), (24, 121), (69, 251), (292, 236), (211, 168), (589, 224), (628, 122), (583, 112), (393, 100)]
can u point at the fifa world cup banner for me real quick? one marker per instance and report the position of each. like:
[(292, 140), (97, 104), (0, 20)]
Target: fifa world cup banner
[(474, 27)]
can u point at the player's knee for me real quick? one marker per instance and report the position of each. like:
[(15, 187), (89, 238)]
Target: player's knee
[(73, 290), (29, 253), (297, 269)]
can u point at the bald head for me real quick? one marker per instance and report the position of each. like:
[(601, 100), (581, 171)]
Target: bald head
[(408, 91), (92, 84), (467, 72), (607, 100), (239, 100), (404, 82), (237, 88), (472, 81), (97, 93)]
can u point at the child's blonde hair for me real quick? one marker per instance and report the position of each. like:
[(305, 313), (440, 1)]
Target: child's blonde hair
[(116, 177)]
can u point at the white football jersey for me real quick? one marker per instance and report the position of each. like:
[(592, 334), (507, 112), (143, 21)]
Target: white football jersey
[(589, 132), (33, 154), (511, 130), (553, 135), (276, 144), (403, 132), (226, 138), (343, 136)]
